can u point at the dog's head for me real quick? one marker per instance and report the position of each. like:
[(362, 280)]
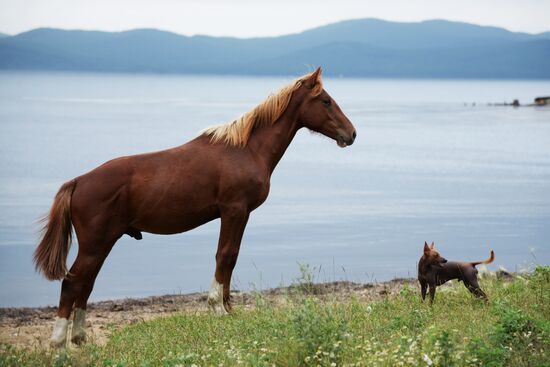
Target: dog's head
[(432, 256)]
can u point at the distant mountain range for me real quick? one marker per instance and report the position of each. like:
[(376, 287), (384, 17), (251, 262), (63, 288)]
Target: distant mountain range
[(363, 47)]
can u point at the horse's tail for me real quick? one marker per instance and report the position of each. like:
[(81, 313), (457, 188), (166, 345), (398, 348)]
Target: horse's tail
[(488, 261), (50, 257)]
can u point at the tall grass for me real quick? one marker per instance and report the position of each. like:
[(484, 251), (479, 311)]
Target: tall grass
[(513, 329)]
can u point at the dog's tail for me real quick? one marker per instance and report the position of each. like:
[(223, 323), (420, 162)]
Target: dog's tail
[(488, 261)]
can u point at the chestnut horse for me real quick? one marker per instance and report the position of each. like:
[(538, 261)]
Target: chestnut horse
[(223, 173)]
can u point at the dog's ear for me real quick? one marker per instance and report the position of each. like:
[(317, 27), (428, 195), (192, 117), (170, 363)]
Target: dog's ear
[(433, 244), (426, 248)]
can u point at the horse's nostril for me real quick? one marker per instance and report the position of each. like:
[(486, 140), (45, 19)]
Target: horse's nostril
[(354, 134)]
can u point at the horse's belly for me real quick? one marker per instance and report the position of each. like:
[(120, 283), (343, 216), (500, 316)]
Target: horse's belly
[(171, 223)]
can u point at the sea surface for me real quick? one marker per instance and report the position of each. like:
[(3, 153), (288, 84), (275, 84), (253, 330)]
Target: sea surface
[(432, 161)]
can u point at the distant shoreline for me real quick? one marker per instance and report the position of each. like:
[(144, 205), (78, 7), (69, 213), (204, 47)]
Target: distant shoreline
[(272, 76), (358, 47)]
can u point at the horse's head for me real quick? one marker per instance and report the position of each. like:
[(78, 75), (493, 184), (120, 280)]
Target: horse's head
[(319, 112)]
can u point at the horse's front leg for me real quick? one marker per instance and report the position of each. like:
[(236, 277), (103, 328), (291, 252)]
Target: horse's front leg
[(234, 219)]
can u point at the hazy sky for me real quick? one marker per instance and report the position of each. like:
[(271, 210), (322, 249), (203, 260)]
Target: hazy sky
[(249, 18)]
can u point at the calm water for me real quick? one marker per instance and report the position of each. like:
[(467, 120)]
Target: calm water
[(425, 166)]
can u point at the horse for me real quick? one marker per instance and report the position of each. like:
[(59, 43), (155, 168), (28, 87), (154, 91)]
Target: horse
[(223, 173)]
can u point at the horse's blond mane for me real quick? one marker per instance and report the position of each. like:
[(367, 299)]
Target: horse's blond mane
[(237, 132)]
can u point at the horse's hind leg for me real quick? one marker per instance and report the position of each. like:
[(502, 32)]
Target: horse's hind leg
[(78, 332), (72, 286), (77, 283)]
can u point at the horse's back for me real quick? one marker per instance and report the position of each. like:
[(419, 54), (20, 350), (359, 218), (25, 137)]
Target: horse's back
[(169, 191)]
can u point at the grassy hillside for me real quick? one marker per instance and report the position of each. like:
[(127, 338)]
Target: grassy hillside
[(513, 329)]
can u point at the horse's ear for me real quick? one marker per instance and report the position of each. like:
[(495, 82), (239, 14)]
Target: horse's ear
[(313, 78), (426, 247), (432, 245)]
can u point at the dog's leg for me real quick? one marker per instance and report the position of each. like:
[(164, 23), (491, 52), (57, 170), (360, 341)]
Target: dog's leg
[(432, 292), (473, 286), (423, 289)]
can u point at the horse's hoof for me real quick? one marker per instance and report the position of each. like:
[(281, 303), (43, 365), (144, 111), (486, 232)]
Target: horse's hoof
[(217, 308), (79, 339), (59, 335), (78, 335), (228, 307), (56, 343), (215, 298)]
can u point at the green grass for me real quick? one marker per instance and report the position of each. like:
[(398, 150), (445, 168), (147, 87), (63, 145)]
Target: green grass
[(513, 329)]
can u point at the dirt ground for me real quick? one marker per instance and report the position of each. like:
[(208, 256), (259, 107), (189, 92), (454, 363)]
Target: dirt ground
[(31, 327)]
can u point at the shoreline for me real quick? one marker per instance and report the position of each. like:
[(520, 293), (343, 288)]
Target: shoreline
[(31, 326)]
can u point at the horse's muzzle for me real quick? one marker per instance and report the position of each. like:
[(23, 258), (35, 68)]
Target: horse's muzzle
[(344, 140)]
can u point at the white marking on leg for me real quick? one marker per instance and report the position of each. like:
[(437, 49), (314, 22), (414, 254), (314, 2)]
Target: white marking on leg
[(78, 334), (59, 334), (215, 298)]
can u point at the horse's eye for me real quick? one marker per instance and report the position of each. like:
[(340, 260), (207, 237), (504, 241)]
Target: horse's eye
[(327, 102)]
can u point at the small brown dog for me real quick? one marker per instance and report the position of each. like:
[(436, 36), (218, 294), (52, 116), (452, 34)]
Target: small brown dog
[(434, 270)]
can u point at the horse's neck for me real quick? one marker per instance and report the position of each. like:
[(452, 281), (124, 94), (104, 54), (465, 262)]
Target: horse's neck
[(270, 142)]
